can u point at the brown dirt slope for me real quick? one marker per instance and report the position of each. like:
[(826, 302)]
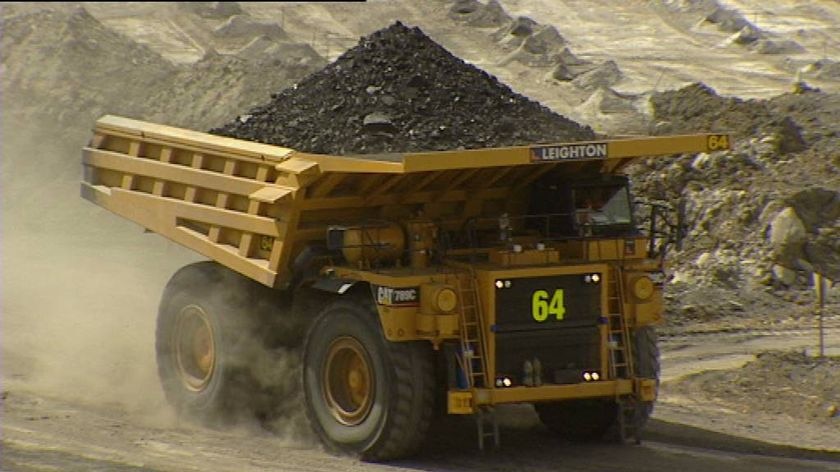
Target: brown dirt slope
[(763, 216)]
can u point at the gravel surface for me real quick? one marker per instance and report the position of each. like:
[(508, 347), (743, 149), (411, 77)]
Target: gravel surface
[(789, 384)]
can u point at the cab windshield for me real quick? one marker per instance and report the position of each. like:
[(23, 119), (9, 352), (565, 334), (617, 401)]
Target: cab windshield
[(602, 206), (594, 208)]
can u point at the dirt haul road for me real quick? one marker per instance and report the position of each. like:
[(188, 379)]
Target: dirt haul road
[(67, 407), (48, 434)]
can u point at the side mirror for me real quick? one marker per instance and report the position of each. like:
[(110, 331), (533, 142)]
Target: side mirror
[(666, 225)]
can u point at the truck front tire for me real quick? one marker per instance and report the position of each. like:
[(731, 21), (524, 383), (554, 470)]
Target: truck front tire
[(588, 420), (364, 394)]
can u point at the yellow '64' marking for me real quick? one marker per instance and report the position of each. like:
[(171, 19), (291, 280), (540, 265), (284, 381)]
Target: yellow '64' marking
[(544, 305), (717, 142)]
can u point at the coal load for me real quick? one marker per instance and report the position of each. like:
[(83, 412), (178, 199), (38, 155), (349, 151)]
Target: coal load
[(399, 91)]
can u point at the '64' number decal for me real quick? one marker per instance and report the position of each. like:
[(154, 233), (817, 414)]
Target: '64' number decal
[(717, 142), (545, 305)]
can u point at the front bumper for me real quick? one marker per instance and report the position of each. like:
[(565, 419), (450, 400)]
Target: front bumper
[(468, 401)]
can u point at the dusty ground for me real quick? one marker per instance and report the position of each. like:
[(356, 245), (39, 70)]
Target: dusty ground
[(80, 286), (788, 385)]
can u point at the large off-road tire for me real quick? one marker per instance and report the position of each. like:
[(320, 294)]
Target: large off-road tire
[(591, 419), (208, 334), (646, 358), (578, 420), (365, 395)]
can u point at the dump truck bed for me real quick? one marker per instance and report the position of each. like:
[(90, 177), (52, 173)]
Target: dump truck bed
[(252, 206)]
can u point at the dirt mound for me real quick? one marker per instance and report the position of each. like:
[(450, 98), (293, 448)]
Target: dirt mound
[(207, 92), (761, 217), (698, 108), (567, 66), (213, 10), (778, 383), (399, 91), (240, 26), (747, 34), (86, 70), (73, 51), (728, 20), (63, 69), (602, 76), (475, 13)]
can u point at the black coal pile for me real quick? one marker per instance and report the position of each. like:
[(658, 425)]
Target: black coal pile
[(399, 91)]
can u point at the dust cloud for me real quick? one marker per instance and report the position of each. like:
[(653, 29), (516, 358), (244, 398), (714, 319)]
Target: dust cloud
[(79, 316), (80, 289)]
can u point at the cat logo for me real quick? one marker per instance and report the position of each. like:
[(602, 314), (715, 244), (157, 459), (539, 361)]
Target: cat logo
[(400, 297)]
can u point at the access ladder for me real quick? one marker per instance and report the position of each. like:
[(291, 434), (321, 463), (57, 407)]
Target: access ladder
[(472, 360), (621, 357)]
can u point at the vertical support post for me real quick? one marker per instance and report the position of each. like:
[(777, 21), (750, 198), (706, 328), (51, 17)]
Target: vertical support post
[(128, 179), (159, 187), (197, 163)]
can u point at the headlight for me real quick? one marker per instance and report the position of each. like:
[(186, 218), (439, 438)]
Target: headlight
[(642, 287), (504, 284), (594, 278), (446, 300)]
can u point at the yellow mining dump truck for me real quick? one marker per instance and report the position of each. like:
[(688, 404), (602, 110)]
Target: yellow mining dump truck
[(467, 279)]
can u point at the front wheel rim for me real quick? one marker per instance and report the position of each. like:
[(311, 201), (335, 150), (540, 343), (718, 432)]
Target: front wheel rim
[(348, 381), (195, 348)]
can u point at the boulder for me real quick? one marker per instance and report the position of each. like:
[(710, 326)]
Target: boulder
[(823, 253), (784, 275), (787, 232), (817, 207), (704, 261)]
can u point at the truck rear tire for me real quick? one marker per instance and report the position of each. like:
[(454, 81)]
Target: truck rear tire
[(590, 419), (364, 394), (203, 342)]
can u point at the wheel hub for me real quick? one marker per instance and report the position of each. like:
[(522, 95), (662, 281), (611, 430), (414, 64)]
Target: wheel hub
[(348, 381), (195, 349)]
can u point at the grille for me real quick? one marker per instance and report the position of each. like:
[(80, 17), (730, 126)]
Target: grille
[(565, 347)]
